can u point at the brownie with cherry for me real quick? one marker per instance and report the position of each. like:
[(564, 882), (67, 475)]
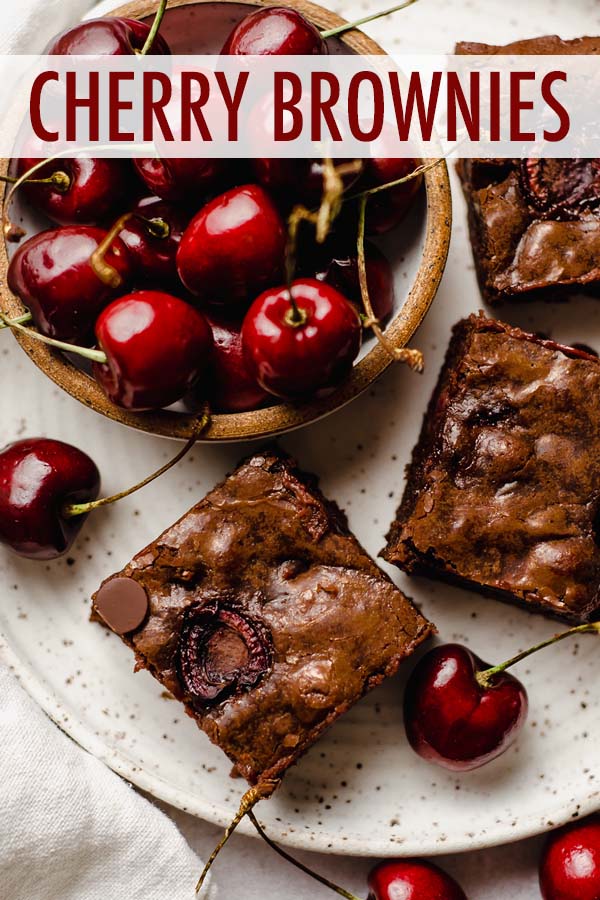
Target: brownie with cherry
[(534, 223), (243, 595)]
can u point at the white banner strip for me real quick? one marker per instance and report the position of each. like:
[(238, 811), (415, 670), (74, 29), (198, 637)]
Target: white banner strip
[(231, 107)]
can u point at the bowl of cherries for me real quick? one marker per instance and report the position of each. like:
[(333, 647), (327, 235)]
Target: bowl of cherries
[(151, 289)]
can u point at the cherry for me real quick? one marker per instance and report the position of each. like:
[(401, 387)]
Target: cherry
[(220, 652), (301, 340), (233, 248), (87, 190), (180, 181), (411, 879), (156, 346), (52, 275), (232, 387), (38, 478), (570, 864), (295, 180), (110, 36), (152, 237), (456, 720), (386, 209), (341, 271), (561, 187), (276, 30)]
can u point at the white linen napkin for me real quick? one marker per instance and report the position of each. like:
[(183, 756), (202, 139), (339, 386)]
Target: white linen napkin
[(70, 829), (27, 26)]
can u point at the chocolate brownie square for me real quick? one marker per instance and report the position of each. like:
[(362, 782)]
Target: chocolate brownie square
[(534, 223), (503, 490), (262, 613)]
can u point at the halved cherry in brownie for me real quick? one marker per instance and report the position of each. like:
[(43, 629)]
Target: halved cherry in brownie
[(221, 652), (567, 186)]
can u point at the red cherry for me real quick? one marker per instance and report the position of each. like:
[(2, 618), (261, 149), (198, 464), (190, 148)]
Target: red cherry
[(152, 238), (294, 180), (110, 36), (386, 209), (156, 347), (276, 31), (341, 271), (95, 189), (410, 879), (295, 357), (180, 181), (52, 275), (233, 248), (570, 865), (232, 387), (38, 477), (451, 719)]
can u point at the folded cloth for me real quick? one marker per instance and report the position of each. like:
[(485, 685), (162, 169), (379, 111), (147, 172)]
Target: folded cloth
[(27, 26), (71, 829)]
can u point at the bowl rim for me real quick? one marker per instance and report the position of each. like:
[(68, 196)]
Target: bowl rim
[(282, 417)]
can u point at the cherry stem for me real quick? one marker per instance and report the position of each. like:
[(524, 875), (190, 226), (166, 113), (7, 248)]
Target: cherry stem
[(413, 358), (296, 862), (341, 29), (95, 355), (156, 227), (106, 273), (160, 12), (20, 320), (80, 509), (485, 678), (322, 219), (261, 791), (11, 231), (60, 180), (420, 170)]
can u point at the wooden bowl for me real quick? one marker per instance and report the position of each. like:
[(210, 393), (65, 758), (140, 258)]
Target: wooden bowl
[(374, 360)]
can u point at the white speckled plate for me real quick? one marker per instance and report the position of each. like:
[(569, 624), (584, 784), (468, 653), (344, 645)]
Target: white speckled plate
[(361, 790)]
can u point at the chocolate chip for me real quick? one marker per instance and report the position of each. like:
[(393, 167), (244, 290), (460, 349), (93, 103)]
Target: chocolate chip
[(122, 603)]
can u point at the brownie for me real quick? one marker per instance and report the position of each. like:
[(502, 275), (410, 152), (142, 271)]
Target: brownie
[(534, 223), (503, 490), (264, 615)]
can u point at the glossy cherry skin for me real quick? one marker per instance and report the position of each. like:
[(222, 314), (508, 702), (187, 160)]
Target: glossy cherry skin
[(411, 879), (232, 387), (452, 720), (298, 360), (570, 864), (233, 248), (184, 182), (294, 181), (341, 271), (110, 36), (96, 191), (52, 275), (38, 477), (387, 209), (151, 252), (276, 31), (156, 346)]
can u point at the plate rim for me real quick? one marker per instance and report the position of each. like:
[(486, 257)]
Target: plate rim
[(499, 833)]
